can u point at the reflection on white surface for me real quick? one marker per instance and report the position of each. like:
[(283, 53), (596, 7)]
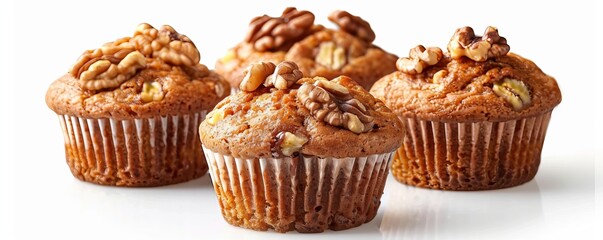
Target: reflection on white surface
[(416, 213)]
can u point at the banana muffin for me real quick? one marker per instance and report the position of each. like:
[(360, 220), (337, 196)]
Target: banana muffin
[(317, 50), (130, 109), (306, 154), (475, 116)]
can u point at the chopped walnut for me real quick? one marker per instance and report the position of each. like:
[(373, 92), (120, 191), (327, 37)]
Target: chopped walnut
[(332, 103), (286, 74), (331, 56), (255, 75), (166, 44), (465, 43), (289, 143), (272, 34), (353, 25), (515, 92), (419, 58), (151, 91)]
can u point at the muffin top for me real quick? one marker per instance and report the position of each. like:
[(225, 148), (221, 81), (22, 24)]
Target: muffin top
[(476, 80), (154, 72), (279, 113), (317, 50)]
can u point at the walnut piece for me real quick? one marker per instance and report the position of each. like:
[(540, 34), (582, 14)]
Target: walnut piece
[(151, 91), (273, 34), (419, 58), (332, 103), (166, 44), (286, 74), (215, 116), (331, 56), (465, 43), (255, 75), (515, 92), (290, 143), (353, 25)]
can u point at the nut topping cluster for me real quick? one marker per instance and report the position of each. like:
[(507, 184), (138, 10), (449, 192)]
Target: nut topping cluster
[(332, 103), (353, 25), (272, 34), (280, 76), (465, 43), (419, 58), (115, 62)]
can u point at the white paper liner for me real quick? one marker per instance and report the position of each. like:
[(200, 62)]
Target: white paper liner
[(137, 152), (306, 194), (470, 156)]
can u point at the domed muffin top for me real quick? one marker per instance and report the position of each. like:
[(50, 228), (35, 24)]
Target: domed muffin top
[(156, 71), (476, 80), (280, 113), (318, 51)]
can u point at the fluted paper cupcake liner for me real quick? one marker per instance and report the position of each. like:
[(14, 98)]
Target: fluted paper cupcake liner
[(306, 194), (470, 156), (136, 152)]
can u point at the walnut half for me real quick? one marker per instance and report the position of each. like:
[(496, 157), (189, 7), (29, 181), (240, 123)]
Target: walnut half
[(353, 25), (108, 66), (332, 103), (272, 34)]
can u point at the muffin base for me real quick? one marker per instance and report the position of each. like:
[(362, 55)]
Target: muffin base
[(470, 156), (134, 153), (306, 194)]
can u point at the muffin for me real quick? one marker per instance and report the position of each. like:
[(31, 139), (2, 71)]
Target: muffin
[(306, 154), (475, 116), (130, 109), (317, 50)]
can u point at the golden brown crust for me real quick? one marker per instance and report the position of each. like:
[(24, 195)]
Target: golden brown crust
[(253, 119), (463, 92), (184, 92)]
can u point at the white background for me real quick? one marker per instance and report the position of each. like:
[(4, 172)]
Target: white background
[(39, 199)]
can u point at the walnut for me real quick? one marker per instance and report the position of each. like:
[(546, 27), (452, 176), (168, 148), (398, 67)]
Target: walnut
[(353, 25), (115, 62), (289, 143), (151, 91), (419, 58), (332, 103), (166, 44), (465, 43), (215, 116), (256, 74), (331, 56), (515, 92), (108, 66), (286, 74), (272, 34)]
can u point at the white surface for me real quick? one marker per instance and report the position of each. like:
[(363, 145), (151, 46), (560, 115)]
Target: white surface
[(39, 198)]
